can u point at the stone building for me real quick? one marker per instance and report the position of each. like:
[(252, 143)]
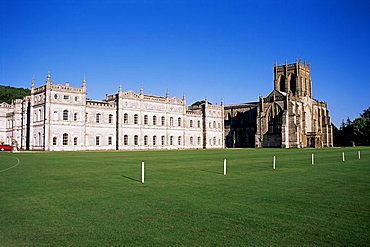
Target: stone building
[(289, 117), (59, 117)]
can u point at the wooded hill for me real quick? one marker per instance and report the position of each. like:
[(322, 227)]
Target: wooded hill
[(7, 94)]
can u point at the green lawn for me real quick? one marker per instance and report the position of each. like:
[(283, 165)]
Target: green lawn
[(97, 199)]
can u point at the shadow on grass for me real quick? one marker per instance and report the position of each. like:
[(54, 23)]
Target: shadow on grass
[(133, 179), (220, 173)]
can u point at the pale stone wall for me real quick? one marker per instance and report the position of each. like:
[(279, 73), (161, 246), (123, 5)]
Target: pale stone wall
[(61, 118)]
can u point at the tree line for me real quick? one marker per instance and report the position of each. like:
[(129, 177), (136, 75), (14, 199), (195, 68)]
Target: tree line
[(7, 94), (353, 133)]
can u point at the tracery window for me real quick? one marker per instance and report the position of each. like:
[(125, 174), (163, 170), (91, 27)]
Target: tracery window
[(275, 117)]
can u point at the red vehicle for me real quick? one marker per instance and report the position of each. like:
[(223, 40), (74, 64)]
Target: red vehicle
[(6, 148)]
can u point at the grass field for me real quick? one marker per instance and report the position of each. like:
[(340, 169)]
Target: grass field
[(97, 199)]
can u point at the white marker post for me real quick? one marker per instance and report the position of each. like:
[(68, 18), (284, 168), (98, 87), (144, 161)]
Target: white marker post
[(343, 156), (312, 159), (224, 167), (359, 155), (142, 172), (273, 163)]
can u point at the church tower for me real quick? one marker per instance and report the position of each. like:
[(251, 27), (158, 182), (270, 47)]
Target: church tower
[(294, 79)]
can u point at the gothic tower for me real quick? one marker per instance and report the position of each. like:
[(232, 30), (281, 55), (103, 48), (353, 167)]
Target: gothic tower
[(294, 79)]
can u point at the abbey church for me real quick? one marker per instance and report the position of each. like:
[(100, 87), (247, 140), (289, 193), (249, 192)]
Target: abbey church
[(289, 117), (58, 117)]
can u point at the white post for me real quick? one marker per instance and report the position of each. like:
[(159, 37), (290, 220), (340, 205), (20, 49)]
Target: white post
[(359, 155), (142, 172), (343, 156), (224, 167), (273, 163), (312, 159)]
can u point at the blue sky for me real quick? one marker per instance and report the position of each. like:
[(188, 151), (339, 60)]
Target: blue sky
[(218, 49)]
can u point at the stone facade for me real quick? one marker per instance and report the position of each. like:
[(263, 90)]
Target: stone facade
[(59, 117), (289, 117)]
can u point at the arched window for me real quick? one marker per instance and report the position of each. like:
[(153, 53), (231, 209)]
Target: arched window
[(136, 140), (39, 137), (179, 140), (282, 83), (179, 121), (110, 118), (75, 141), (171, 140), (198, 124), (191, 140), (163, 140), (39, 115), (171, 121), (214, 141), (75, 117), (154, 140), (219, 125), (191, 123), (136, 119), (145, 140), (125, 140), (275, 117), (125, 118), (210, 124), (163, 120), (97, 140), (214, 124), (54, 141), (65, 139), (145, 119), (293, 84), (198, 140), (98, 116), (154, 120), (55, 115), (65, 115), (110, 140)]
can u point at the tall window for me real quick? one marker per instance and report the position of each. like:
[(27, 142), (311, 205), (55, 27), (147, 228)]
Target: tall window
[(97, 140), (75, 117), (163, 120), (179, 121), (210, 125), (214, 141), (275, 117), (145, 119), (39, 115), (163, 140), (136, 119), (98, 116), (191, 140), (198, 140), (136, 140), (110, 118), (219, 125), (198, 124), (171, 121), (55, 115), (171, 140), (125, 140), (154, 140), (214, 124), (65, 115), (65, 139), (109, 140), (86, 116), (191, 123), (54, 141), (154, 120), (179, 140), (145, 140), (75, 141), (125, 118)]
